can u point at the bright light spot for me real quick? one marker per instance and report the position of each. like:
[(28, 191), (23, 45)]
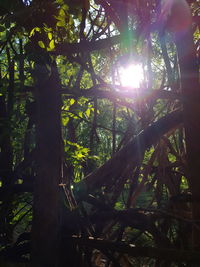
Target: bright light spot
[(131, 76), (27, 2)]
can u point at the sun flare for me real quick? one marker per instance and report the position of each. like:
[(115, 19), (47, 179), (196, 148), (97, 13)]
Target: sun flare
[(132, 75)]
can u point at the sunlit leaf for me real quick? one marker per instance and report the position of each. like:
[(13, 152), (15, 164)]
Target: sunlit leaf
[(60, 23), (61, 13), (41, 44), (50, 36), (52, 44), (80, 114), (36, 29), (87, 113), (72, 101), (65, 120)]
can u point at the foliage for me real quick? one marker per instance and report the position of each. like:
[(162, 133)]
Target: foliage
[(144, 200)]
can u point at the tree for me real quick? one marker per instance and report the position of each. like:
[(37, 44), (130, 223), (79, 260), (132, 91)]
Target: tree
[(92, 169)]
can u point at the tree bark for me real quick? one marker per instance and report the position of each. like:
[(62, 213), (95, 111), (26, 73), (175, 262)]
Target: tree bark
[(46, 213), (191, 111)]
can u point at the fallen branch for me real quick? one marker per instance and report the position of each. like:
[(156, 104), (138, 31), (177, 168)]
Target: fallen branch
[(131, 153), (131, 250)]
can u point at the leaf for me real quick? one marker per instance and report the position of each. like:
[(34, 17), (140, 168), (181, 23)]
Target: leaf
[(50, 36), (80, 114), (87, 113), (78, 155), (52, 45), (60, 2), (36, 29), (62, 13), (65, 121), (72, 101), (60, 23), (65, 7), (41, 44)]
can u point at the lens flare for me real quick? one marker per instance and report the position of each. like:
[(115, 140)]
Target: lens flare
[(132, 75)]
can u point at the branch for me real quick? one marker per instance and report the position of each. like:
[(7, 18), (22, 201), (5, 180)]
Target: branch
[(87, 46), (123, 92), (156, 253), (131, 153)]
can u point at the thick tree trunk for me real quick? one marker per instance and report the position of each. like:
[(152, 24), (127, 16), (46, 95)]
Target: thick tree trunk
[(191, 112), (46, 213)]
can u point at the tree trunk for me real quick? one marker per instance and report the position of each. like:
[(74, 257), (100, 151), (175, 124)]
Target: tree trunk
[(191, 112), (46, 213)]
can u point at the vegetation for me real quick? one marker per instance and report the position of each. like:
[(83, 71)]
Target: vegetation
[(97, 169)]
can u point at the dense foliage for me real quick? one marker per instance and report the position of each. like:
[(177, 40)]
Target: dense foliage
[(95, 170)]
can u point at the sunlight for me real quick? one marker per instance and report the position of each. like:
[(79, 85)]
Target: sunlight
[(132, 75)]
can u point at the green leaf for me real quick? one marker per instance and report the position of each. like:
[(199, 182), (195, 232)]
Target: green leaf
[(50, 36), (60, 23), (80, 114), (65, 121), (71, 102), (65, 7), (87, 113), (36, 29), (62, 13), (60, 2), (41, 44), (52, 45)]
